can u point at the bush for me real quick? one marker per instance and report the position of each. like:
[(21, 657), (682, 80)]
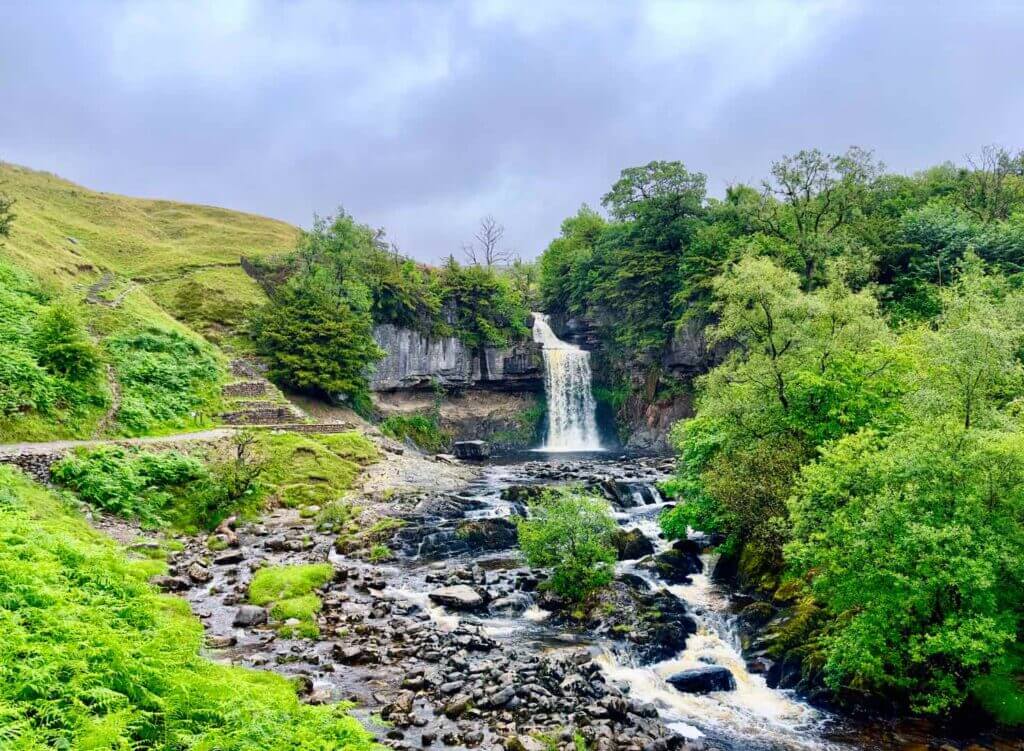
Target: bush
[(92, 657), (162, 488), (167, 379), (422, 430), (572, 534)]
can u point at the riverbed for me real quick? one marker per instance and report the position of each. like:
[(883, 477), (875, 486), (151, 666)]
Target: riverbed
[(385, 641)]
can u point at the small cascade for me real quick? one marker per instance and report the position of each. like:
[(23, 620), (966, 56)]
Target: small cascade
[(572, 420)]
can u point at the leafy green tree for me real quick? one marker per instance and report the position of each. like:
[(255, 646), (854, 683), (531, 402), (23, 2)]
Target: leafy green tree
[(565, 263), (912, 542), (571, 533), (487, 310), (654, 180), (316, 334), (811, 197)]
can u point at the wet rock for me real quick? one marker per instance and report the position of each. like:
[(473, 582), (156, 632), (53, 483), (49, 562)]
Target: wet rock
[(488, 534), (523, 743), (458, 597), (199, 574), (631, 544), (703, 680), (456, 707), (229, 558), (676, 565), (250, 615), (473, 450), (513, 604), (170, 583)]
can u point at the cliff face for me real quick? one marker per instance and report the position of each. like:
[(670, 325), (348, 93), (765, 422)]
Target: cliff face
[(414, 361)]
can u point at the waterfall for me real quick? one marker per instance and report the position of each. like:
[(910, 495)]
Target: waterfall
[(572, 421)]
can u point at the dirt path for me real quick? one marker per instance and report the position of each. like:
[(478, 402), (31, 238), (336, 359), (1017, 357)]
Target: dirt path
[(214, 434)]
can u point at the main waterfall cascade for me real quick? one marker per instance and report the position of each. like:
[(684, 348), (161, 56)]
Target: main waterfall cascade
[(572, 411)]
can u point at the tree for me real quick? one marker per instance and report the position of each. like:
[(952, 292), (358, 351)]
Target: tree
[(969, 359), (994, 185), (62, 345), (572, 534), (652, 180), (317, 336), (810, 197), (7, 215), (912, 542), (565, 263), (485, 249), (487, 310)]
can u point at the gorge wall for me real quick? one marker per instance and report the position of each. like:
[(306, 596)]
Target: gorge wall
[(644, 420), (490, 393)]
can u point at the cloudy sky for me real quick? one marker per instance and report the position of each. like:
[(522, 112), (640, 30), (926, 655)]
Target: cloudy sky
[(422, 116)]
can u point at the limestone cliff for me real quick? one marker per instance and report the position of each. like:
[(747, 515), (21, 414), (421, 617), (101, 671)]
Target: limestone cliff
[(415, 361)]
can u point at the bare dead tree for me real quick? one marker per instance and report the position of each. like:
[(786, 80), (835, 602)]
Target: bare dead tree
[(486, 250)]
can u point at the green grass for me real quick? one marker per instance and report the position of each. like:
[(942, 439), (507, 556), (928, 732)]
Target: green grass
[(146, 240), (289, 592), (91, 657), (314, 469)]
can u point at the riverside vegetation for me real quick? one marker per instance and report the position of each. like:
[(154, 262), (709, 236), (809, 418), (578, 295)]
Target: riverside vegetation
[(856, 453), (857, 442)]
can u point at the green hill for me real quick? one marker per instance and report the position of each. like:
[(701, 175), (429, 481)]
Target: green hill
[(151, 285)]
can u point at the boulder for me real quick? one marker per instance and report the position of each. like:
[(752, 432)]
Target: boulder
[(472, 450), (703, 680), (170, 583), (631, 544), (676, 565), (488, 534), (458, 597), (250, 615)]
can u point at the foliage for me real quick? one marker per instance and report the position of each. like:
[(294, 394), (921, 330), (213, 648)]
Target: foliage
[(914, 542), (92, 657), (423, 430), (50, 369), (166, 488), (167, 378), (486, 309), (316, 335), (571, 533)]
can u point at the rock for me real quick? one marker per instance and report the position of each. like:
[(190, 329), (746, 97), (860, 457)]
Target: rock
[(474, 450), (523, 743), (631, 544), (488, 534), (676, 565), (350, 655), (458, 597), (199, 574), (703, 680), (516, 603), (170, 583), (230, 558), (456, 707), (250, 615)]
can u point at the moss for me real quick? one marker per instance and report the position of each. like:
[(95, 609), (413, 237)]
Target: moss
[(379, 553), (303, 607), (276, 583), (314, 469)]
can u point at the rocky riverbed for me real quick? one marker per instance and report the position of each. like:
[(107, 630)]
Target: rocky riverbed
[(449, 643)]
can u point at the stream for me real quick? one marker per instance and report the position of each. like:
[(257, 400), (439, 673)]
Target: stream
[(466, 674)]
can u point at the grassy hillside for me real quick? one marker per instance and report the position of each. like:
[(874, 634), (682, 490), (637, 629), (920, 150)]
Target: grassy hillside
[(142, 279), (92, 657)]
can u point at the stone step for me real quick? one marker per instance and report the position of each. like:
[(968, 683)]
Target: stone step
[(244, 388)]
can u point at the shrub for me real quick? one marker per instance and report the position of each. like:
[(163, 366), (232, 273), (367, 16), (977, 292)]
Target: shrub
[(166, 378), (161, 488), (572, 534), (92, 657), (422, 430)]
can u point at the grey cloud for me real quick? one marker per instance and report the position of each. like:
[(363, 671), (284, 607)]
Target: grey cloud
[(420, 117)]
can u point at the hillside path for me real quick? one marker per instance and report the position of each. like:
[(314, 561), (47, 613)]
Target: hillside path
[(14, 449)]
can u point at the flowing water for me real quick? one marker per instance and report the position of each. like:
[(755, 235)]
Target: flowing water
[(572, 412)]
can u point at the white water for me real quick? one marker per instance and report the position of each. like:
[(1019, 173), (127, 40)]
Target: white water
[(572, 412)]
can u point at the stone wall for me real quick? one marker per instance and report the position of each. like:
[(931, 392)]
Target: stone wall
[(415, 361)]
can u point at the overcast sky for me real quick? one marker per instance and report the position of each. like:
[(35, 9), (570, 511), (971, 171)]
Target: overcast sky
[(422, 116)]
